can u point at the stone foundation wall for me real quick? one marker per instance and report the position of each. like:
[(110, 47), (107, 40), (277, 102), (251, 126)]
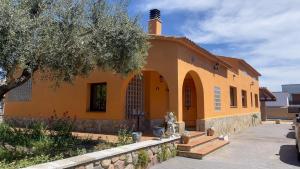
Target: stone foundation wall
[(131, 160), (230, 124), (134, 156)]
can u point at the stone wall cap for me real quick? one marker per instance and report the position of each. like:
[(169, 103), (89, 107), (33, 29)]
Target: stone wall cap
[(95, 156)]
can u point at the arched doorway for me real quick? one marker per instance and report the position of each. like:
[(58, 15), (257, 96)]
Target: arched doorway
[(192, 100), (147, 99)]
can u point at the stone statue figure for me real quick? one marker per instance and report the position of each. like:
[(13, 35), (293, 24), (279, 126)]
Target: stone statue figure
[(170, 120)]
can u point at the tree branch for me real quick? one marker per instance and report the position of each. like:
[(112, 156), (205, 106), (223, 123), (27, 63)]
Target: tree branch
[(24, 77)]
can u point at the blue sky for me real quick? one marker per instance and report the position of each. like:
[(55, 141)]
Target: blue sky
[(266, 33)]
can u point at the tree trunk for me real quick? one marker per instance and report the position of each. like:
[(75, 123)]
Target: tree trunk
[(9, 85)]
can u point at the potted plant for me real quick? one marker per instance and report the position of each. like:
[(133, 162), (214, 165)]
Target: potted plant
[(159, 131), (185, 137), (136, 136), (211, 131)]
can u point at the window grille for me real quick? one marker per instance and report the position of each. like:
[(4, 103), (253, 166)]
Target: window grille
[(98, 97), (217, 92), (135, 97), (244, 98), (188, 97), (21, 93), (233, 96)]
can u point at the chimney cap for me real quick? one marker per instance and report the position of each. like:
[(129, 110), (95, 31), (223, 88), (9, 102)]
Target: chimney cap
[(154, 14)]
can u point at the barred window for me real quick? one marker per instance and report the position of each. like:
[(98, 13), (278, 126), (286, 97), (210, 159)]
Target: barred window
[(256, 100), (188, 97), (244, 98), (233, 96), (217, 93), (98, 97), (135, 97), (21, 93)]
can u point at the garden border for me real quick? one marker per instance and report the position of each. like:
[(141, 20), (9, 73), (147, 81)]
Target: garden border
[(94, 160)]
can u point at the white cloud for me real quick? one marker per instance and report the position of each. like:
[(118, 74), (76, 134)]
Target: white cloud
[(266, 33)]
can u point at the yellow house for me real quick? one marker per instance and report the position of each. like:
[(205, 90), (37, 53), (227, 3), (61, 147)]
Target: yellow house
[(202, 89)]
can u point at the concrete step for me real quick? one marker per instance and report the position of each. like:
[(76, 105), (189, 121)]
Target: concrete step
[(196, 142), (194, 135), (200, 152)]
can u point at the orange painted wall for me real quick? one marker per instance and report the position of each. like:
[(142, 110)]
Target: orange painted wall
[(158, 97), (168, 58), (203, 69)]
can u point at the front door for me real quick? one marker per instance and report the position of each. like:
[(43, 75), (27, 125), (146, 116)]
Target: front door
[(189, 104)]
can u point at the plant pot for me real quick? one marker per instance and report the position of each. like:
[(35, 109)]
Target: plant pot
[(210, 132), (158, 131), (185, 139), (136, 136)]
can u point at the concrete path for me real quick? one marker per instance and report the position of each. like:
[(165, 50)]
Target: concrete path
[(268, 146)]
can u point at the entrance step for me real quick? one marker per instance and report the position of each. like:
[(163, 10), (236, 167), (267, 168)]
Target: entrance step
[(195, 143), (200, 145), (194, 135)]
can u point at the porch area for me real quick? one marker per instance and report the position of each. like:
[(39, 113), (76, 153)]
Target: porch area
[(150, 95)]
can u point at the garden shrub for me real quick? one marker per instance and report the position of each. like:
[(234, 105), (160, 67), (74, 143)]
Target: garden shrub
[(143, 159), (124, 137), (163, 155)]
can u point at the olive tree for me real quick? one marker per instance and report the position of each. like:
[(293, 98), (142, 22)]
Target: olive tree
[(62, 39)]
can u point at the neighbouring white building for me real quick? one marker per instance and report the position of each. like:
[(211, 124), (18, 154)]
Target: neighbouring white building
[(287, 103)]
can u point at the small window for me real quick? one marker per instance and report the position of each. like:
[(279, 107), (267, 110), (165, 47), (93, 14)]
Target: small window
[(217, 92), (256, 100), (244, 98), (98, 97), (233, 97), (251, 97)]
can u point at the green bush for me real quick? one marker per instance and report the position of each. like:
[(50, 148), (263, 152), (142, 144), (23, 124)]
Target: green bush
[(124, 137), (38, 130), (143, 159), (164, 155)]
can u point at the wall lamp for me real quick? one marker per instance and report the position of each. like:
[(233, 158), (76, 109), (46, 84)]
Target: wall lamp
[(161, 78), (216, 66)]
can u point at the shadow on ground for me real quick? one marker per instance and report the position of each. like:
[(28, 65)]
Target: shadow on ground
[(291, 135), (288, 155)]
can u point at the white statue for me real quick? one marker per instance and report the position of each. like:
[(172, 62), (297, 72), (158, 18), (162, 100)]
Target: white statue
[(171, 126)]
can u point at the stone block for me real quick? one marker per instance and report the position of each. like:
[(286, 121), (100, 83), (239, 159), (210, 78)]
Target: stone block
[(89, 166), (122, 157), (154, 149), (135, 158), (114, 159), (130, 166), (150, 154), (111, 166), (105, 163), (98, 167), (129, 159), (119, 164)]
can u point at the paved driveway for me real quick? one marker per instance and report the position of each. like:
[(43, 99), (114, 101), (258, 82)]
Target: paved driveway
[(268, 146)]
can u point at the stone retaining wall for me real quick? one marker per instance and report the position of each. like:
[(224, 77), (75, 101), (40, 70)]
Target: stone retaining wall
[(230, 124), (134, 156)]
